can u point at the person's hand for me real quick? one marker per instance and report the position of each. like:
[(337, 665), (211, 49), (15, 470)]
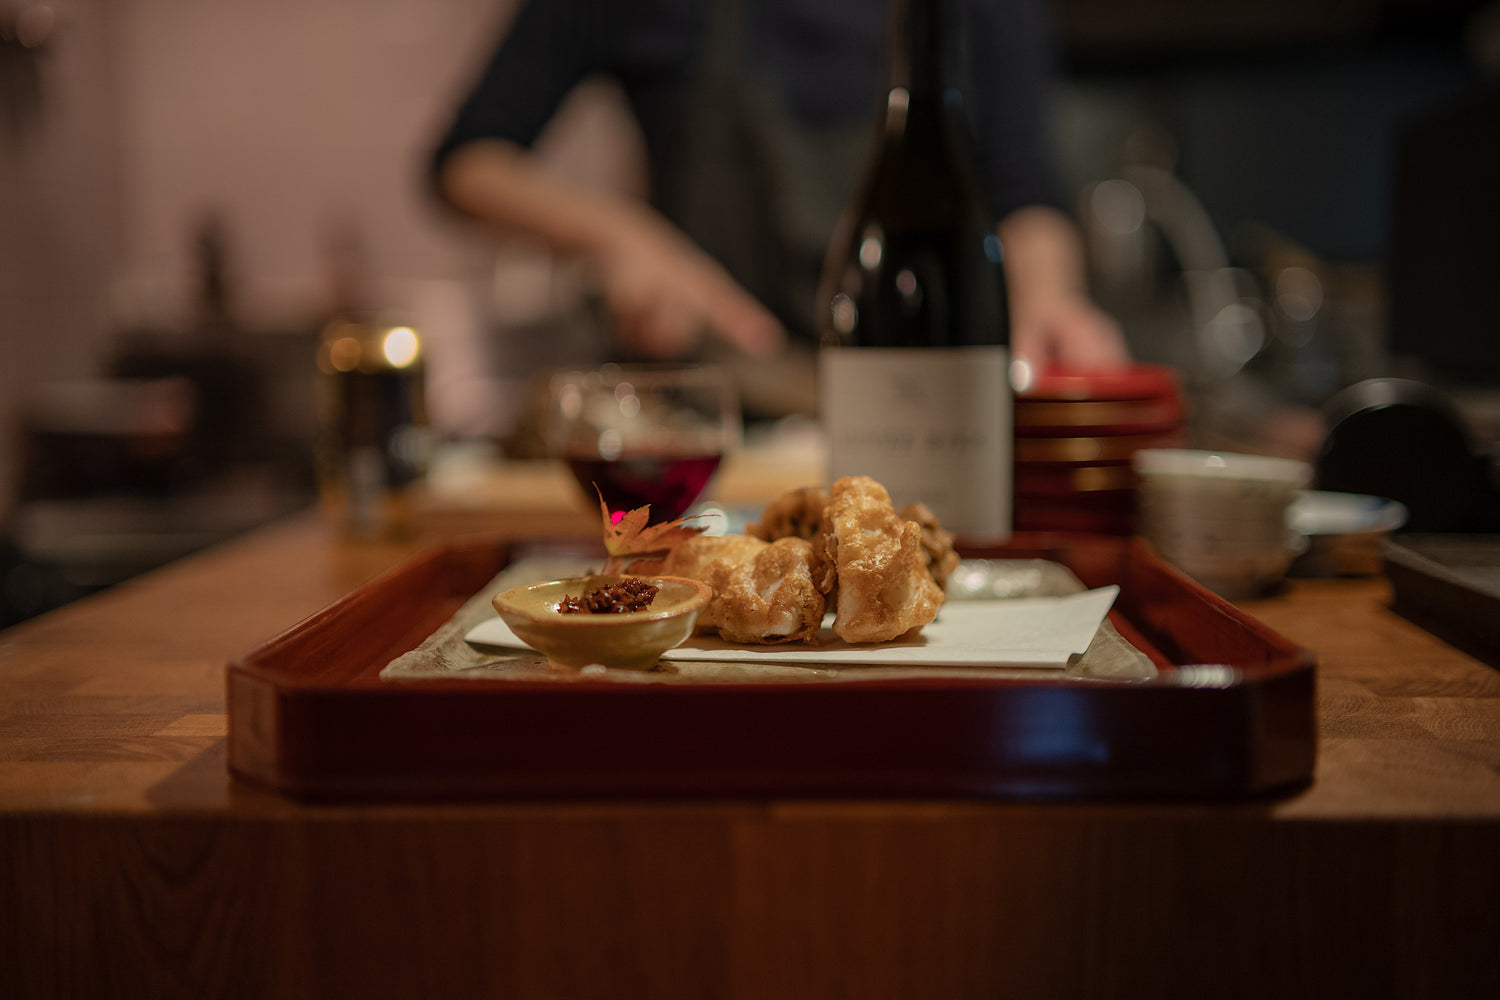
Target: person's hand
[(664, 294), (1054, 324), (1066, 330), (662, 291)]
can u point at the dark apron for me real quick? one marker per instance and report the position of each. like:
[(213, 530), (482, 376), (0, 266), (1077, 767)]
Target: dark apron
[(762, 192)]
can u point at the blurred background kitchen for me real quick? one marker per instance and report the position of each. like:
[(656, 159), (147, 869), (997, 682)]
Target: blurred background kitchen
[(1283, 199)]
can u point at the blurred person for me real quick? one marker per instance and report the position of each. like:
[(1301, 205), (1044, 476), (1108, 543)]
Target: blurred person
[(757, 117)]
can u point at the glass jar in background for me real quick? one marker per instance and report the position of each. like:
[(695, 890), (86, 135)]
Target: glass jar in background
[(373, 441)]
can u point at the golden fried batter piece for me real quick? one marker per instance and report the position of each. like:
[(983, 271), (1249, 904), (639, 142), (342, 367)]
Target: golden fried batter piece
[(797, 513), (763, 591), (884, 588), (937, 544), (801, 513)]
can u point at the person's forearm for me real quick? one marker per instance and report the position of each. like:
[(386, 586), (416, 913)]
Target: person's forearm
[(663, 292), (499, 184), (1053, 321), (1043, 255)]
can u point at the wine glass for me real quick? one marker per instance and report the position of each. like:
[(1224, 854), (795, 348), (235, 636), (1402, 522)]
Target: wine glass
[(644, 434)]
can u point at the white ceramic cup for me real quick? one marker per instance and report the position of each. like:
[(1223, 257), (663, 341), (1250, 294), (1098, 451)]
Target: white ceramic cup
[(1220, 517)]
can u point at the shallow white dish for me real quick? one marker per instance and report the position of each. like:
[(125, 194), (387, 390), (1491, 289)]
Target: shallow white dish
[(1319, 512), (1344, 532)]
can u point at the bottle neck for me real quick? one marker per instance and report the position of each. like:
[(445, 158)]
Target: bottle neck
[(918, 33)]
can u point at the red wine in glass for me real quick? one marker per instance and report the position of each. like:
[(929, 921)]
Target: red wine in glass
[(669, 482)]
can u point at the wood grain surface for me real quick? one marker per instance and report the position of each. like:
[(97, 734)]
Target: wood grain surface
[(131, 864)]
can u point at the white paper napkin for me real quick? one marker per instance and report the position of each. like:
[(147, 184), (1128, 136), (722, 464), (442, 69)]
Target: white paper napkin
[(1021, 632)]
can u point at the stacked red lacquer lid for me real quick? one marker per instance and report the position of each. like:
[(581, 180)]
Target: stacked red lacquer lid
[(1075, 435)]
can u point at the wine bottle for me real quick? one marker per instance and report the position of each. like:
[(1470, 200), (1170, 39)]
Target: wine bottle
[(914, 367)]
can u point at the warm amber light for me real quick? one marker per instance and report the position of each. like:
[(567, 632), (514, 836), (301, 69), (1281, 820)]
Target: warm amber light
[(400, 346), (344, 354)]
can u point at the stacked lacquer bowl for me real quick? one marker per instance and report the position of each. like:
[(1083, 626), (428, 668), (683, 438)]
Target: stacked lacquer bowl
[(1076, 433)]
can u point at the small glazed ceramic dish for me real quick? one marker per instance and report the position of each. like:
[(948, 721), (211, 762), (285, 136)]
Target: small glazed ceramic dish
[(631, 640), (1346, 532)]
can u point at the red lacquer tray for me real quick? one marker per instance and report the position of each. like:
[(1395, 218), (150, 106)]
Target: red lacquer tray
[(1231, 713)]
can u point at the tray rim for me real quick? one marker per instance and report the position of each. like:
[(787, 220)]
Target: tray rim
[(262, 691), (1439, 597)]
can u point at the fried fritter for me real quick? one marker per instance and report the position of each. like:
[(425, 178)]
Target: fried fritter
[(797, 513), (763, 591), (884, 587), (844, 548), (937, 544), (801, 513)]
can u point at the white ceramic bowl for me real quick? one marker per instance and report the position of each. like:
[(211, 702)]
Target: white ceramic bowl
[(1236, 576), (1220, 517), (1210, 531), (1218, 476)]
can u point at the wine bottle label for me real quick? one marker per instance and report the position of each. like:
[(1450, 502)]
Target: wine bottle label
[(931, 425)]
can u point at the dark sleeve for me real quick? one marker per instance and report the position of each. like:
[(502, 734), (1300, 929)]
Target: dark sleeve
[(1011, 70), (546, 50)]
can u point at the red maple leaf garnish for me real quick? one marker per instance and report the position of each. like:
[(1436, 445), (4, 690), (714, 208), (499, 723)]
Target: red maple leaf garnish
[(637, 546)]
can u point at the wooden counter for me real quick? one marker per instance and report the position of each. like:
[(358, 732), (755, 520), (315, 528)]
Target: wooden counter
[(131, 864)]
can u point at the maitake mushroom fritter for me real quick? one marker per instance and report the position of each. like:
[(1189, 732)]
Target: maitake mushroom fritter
[(763, 591), (937, 544), (884, 587), (844, 548)]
